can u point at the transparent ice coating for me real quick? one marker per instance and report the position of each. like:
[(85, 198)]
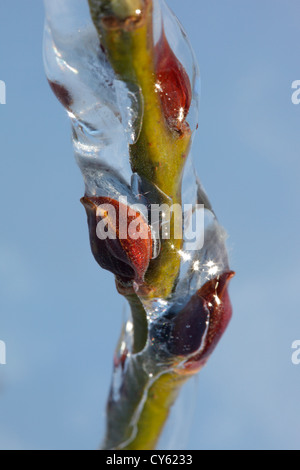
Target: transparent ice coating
[(106, 116), (104, 113), (180, 43)]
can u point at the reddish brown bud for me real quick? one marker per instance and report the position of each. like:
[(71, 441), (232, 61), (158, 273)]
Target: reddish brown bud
[(214, 297), (173, 85), (194, 331), (127, 250), (188, 328), (62, 94)]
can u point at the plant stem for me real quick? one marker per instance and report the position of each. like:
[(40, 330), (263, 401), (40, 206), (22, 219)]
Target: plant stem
[(161, 396), (160, 153), (138, 409), (137, 415)]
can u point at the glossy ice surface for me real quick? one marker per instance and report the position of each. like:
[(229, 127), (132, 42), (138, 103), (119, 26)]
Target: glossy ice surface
[(251, 399)]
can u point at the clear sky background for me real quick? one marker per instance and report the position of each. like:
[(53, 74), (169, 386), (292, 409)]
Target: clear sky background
[(60, 315)]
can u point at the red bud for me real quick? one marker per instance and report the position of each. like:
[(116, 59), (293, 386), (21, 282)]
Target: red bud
[(62, 94), (188, 328), (194, 331), (128, 258), (214, 295), (173, 85)]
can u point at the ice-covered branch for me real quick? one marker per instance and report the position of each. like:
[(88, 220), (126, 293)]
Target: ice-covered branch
[(127, 76)]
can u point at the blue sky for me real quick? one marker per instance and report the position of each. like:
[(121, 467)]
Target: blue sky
[(60, 315)]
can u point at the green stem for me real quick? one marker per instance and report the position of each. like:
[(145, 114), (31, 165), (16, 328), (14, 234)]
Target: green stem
[(115, 8), (161, 396), (160, 153), (136, 413), (138, 410), (140, 325)]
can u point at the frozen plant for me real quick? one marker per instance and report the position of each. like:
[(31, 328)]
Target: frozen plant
[(126, 74)]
